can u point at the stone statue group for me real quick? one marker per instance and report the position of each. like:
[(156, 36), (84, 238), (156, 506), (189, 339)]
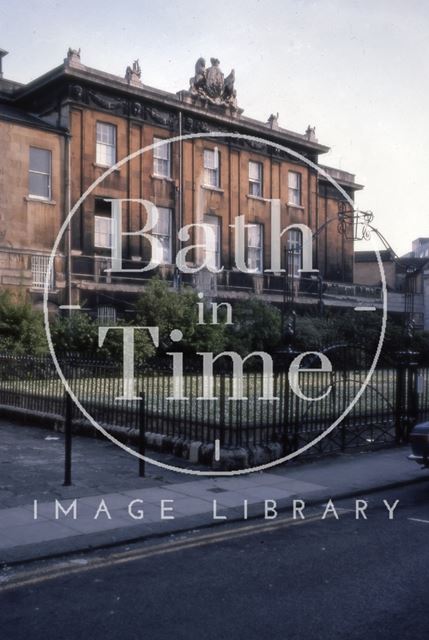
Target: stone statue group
[(212, 85)]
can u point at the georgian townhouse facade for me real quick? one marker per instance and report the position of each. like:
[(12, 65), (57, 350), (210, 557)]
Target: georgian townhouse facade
[(81, 121)]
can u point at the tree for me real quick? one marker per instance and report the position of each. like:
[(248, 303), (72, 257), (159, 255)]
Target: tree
[(78, 334), (162, 307), (256, 327)]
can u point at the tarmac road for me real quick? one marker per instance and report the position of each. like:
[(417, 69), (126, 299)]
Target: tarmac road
[(279, 579)]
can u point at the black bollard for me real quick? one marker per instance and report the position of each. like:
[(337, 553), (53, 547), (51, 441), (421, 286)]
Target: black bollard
[(142, 434), (68, 441)]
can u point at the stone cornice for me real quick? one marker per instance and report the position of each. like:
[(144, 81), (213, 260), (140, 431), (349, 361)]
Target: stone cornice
[(114, 87)]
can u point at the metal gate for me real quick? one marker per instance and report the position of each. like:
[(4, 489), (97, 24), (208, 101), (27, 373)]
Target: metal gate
[(382, 413)]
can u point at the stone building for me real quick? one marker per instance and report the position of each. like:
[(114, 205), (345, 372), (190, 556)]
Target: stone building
[(407, 280), (31, 200), (65, 129)]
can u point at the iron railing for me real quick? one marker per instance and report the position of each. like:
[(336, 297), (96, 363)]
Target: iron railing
[(395, 397)]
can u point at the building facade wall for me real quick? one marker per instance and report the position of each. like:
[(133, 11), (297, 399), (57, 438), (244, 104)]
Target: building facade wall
[(369, 273), (77, 98), (28, 226), (192, 199)]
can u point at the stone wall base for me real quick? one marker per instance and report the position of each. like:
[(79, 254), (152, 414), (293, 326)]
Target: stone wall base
[(196, 452)]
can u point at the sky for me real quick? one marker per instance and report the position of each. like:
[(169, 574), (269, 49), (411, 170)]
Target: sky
[(356, 70)]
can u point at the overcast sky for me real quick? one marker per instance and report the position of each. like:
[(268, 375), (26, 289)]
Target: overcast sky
[(357, 70)]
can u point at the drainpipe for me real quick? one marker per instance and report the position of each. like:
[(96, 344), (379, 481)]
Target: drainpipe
[(180, 172), (180, 220), (67, 206), (317, 218)]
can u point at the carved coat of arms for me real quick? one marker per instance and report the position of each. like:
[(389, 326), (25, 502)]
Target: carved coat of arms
[(214, 79), (212, 85)]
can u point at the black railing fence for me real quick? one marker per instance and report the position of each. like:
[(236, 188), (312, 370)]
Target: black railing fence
[(395, 397)]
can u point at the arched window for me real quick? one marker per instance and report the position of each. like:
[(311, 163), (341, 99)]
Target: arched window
[(294, 252)]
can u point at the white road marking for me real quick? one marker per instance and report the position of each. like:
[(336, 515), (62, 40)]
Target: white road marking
[(217, 450), (365, 309), (419, 520)]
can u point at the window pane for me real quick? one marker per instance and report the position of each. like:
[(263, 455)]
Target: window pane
[(100, 155), (165, 242), (40, 160), (211, 167), (106, 144), (106, 315), (255, 170), (106, 155), (255, 259), (110, 155), (255, 248), (161, 167), (106, 133), (294, 182), (211, 177), (292, 177), (255, 235), (39, 173), (255, 178), (212, 252), (102, 232), (162, 152), (255, 189), (209, 159), (162, 231), (161, 159), (39, 185), (294, 239), (294, 245)]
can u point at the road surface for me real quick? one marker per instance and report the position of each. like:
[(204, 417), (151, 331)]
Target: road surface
[(276, 580)]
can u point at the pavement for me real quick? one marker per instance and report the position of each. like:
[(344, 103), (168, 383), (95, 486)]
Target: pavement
[(109, 504)]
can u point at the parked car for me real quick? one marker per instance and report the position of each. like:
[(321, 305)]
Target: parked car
[(419, 440)]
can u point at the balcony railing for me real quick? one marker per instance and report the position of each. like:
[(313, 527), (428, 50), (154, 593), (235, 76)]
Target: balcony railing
[(93, 269)]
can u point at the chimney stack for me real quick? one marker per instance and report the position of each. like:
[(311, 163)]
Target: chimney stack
[(3, 53)]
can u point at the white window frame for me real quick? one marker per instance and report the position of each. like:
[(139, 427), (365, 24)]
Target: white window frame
[(295, 241), (98, 234), (255, 251), (166, 256), (256, 182), (211, 163), (162, 159), (31, 171), (105, 151), (294, 188), (212, 256), (39, 267)]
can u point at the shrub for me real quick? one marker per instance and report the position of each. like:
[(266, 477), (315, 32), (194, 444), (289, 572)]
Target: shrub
[(256, 327), (160, 306), (21, 327)]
